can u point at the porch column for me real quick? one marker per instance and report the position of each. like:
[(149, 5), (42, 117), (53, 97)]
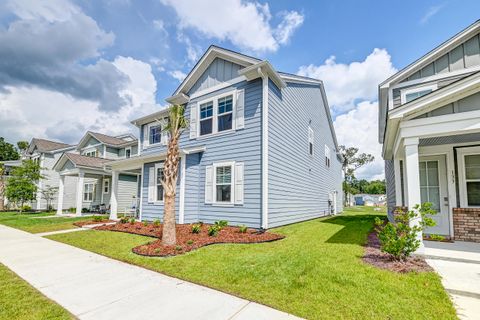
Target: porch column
[(61, 186), (79, 202), (412, 170), (113, 196)]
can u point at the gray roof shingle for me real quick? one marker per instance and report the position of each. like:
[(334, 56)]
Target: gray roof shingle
[(44, 145), (85, 161)]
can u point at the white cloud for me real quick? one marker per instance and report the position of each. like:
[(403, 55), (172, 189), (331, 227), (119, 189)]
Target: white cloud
[(193, 51), (248, 28), (27, 112), (291, 21), (159, 25), (358, 128), (433, 10), (177, 74), (346, 84)]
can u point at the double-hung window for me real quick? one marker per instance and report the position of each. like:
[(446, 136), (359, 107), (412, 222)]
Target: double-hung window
[(158, 181), (106, 186), (88, 192), (206, 118), (223, 184), (472, 179), (225, 113), (128, 152), (154, 134)]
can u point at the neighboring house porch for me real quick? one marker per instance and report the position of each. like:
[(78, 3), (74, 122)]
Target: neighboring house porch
[(94, 187)]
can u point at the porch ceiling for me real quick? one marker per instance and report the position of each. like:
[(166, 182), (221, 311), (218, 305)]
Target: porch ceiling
[(453, 139)]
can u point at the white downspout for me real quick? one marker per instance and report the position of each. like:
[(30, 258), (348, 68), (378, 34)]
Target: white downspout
[(264, 148)]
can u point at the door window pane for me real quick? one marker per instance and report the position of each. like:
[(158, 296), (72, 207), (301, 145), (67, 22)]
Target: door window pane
[(429, 183), (472, 166), (473, 193)]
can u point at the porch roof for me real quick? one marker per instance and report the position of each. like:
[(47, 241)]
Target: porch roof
[(92, 164)]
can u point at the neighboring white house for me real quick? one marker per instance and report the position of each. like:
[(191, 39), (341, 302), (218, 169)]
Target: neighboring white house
[(429, 125), (370, 200)]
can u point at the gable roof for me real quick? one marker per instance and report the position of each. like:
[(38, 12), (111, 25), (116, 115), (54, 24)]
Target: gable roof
[(107, 140), (43, 145), (80, 161)]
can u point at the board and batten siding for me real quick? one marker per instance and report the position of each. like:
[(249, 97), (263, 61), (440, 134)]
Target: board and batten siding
[(241, 145), (217, 72), (299, 183)]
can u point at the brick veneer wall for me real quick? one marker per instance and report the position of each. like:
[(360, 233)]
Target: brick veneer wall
[(466, 224)]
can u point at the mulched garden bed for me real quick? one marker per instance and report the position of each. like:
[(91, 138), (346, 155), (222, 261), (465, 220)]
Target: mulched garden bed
[(186, 240), (382, 260), (85, 223)]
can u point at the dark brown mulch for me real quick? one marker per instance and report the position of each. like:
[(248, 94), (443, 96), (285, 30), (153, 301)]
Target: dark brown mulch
[(85, 223), (186, 240), (382, 260)]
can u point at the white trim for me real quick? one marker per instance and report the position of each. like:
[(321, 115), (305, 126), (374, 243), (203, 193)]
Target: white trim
[(141, 192), (215, 165), (405, 92), (85, 152), (181, 207), (462, 180), (158, 165), (214, 101), (293, 79), (264, 149), (129, 149), (155, 123), (217, 87), (84, 191)]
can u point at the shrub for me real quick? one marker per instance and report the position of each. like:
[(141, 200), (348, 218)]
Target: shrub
[(399, 239), (221, 223), (242, 229), (26, 208), (85, 210), (156, 223), (71, 210), (145, 223), (213, 230), (196, 228), (123, 220), (97, 218), (190, 242), (436, 237), (178, 248), (132, 220)]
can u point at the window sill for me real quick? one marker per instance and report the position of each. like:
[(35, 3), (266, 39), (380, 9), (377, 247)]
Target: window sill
[(216, 134)]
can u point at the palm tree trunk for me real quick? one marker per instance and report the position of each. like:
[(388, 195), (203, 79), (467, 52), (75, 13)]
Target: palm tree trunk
[(169, 236)]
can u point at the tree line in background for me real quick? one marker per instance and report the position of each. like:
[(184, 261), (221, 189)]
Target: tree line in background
[(10, 152)]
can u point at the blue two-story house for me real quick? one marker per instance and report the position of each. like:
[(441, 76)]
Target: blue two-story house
[(260, 149)]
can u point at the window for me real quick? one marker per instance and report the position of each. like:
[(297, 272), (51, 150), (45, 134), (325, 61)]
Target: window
[(327, 156), (223, 184), (412, 94), (206, 118), (154, 134), (158, 182), (88, 192), (106, 186), (472, 179), (225, 113), (91, 153), (128, 152), (310, 141)]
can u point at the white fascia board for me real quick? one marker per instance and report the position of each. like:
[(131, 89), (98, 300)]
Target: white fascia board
[(179, 99), (150, 117), (251, 73)]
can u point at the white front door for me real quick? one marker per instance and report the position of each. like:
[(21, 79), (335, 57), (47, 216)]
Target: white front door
[(433, 188)]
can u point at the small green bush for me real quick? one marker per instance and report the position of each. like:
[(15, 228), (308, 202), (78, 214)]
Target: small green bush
[(436, 237), (123, 219), (85, 210), (221, 223), (190, 242), (26, 208), (242, 229), (97, 218), (71, 210), (178, 248), (196, 228), (132, 220), (399, 239), (156, 223), (213, 230), (145, 223)]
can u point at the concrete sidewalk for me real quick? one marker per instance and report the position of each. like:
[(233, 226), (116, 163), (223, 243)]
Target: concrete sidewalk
[(91, 286), (458, 264)]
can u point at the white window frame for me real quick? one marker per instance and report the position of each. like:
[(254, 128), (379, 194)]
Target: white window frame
[(230, 164), (462, 179), (154, 124), (106, 184), (85, 192), (311, 141), (129, 149), (405, 92), (90, 151), (155, 192), (214, 101), (328, 158)]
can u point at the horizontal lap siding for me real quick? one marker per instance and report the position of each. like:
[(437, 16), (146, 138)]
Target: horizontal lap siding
[(242, 145), (299, 184)]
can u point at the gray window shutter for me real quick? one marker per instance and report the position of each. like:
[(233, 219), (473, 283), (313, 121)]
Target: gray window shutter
[(193, 120), (240, 110), (239, 182), (145, 135), (151, 184), (208, 184)]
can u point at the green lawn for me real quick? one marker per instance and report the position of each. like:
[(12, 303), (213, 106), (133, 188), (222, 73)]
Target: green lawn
[(19, 300), (316, 272), (30, 222)]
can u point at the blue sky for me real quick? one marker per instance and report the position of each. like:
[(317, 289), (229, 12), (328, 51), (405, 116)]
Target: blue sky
[(70, 66)]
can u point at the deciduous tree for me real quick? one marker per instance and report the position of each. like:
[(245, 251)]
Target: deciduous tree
[(21, 185)]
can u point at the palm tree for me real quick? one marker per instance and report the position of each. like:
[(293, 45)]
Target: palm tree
[(177, 123)]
